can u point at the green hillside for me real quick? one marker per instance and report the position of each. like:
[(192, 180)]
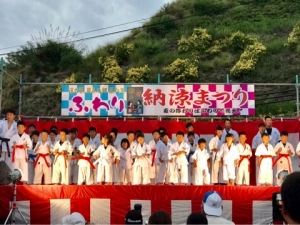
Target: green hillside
[(255, 41)]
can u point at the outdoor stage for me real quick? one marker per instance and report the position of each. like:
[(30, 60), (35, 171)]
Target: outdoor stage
[(47, 204)]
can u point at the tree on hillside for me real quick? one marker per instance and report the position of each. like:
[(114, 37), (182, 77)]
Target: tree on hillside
[(112, 72), (138, 75)]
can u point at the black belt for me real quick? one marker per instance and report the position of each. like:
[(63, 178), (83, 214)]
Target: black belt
[(5, 140)]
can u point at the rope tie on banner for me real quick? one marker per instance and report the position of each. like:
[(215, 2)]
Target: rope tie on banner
[(160, 119), (246, 119), (106, 118), (55, 119), (72, 119), (142, 118), (90, 119), (177, 119), (281, 119), (38, 119), (124, 118), (212, 120), (194, 119)]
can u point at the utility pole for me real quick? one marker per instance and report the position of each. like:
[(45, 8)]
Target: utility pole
[(1, 81)]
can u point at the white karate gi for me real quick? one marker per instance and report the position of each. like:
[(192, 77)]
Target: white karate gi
[(181, 162), (244, 164), (201, 171), (141, 165), (235, 135), (106, 159), (125, 166), (265, 175), (216, 167), (191, 170), (274, 137), (61, 162), (283, 160), (153, 170), (229, 156), (84, 167), (116, 167), (73, 176), (43, 163), (298, 151), (95, 143), (6, 132), (20, 158), (166, 168)]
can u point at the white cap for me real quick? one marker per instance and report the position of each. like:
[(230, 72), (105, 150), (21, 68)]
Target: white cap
[(74, 218), (212, 203)]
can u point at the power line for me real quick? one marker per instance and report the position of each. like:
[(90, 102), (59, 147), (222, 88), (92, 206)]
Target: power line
[(99, 29), (111, 33)]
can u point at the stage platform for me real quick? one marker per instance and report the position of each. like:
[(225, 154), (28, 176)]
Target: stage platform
[(47, 204)]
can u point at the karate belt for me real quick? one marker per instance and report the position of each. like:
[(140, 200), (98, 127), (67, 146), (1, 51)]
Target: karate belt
[(242, 157), (61, 154), (32, 157), (153, 152), (265, 157), (85, 158), (283, 156), (189, 155), (14, 152), (44, 157), (6, 141)]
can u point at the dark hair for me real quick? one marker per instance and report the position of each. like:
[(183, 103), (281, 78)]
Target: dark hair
[(197, 218), (130, 132), (54, 128), (242, 133), (125, 140), (155, 131), (109, 139), (201, 140), (227, 120), (114, 130), (219, 127), (92, 129), (191, 134), (35, 132), (261, 125), (44, 131), (268, 117), (290, 194), (140, 135), (10, 111), (31, 125), (189, 125), (20, 122), (86, 135), (160, 217), (284, 133), (163, 134), (72, 131), (137, 132), (162, 129), (53, 131), (264, 134), (179, 133), (65, 130), (229, 135), (76, 130)]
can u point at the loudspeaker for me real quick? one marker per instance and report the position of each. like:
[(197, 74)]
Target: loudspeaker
[(4, 170)]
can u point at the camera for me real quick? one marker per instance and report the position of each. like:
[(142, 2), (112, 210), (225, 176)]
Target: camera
[(14, 176), (277, 207)]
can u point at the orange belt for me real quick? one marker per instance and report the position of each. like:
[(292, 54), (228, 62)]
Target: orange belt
[(153, 156), (242, 157), (43, 156), (85, 158), (14, 152), (283, 156), (59, 154), (267, 156)]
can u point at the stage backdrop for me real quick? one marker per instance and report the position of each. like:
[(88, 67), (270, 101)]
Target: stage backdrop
[(157, 100), (109, 204), (205, 129)]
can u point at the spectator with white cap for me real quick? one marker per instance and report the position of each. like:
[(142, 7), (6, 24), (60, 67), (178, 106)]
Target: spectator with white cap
[(74, 218), (212, 207)]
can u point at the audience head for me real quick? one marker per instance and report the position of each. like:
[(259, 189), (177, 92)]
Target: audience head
[(212, 203), (74, 218), (160, 217), (197, 218), (134, 217)]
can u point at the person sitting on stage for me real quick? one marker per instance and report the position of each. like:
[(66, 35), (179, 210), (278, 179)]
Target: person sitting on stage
[(290, 195), (245, 152), (125, 163), (62, 149), (229, 157), (85, 165), (21, 142), (42, 163), (201, 160), (284, 150), (197, 218), (265, 154), (32, 156), (141, 153), (212, 207)]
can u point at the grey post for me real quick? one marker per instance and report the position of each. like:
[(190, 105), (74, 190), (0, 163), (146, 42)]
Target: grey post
[(1, 81), (20, 94), (297, 94)]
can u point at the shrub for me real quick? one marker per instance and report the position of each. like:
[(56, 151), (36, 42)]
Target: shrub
[(138, 74)]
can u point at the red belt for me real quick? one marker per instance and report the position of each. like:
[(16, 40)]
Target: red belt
[(283, 156), (14, 152), (85, 158), (59, 154), (267, 156), (43, 156), (242, 157), (153, 156)]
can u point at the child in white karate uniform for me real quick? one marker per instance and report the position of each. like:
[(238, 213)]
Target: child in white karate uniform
[(265, 156), (229, 157), (125, 163), (32, 156), (75, 143), (106, 155), (85, 165), (141, 154), (164, 155), (201, 161), (181, 149), (192, 142), (154, 166), (20, 143), (245, 152), (42, 164), (63, 151), (95, 143)]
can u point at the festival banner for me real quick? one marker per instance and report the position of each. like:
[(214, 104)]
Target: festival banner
[(158, 100)]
